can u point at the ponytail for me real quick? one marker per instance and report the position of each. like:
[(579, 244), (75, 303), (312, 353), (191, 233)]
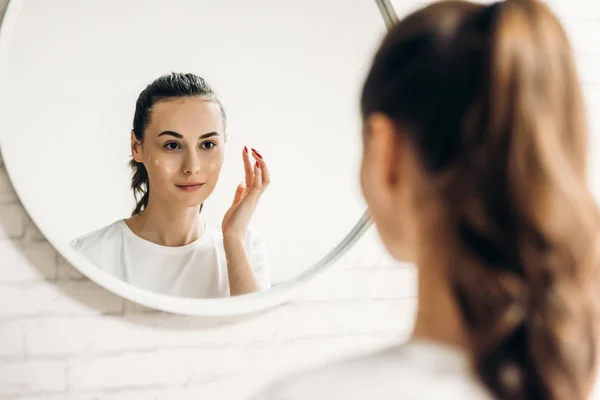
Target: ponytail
[(540, 339), (140, 186)]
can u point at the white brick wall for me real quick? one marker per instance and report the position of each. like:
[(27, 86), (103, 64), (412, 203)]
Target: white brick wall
[(64, 338)]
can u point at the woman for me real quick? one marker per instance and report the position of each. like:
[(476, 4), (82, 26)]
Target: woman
[(177, 145), (474, 168)]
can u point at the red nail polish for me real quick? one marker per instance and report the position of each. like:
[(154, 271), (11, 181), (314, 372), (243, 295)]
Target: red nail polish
[(245, 149), (257, 164), (257, 153)]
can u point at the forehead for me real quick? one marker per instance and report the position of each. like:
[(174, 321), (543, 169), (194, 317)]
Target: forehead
[(186, 115)]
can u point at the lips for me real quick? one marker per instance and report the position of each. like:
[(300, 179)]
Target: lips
[(191, 186)]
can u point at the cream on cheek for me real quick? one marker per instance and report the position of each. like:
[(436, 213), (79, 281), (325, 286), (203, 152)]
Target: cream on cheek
[(214, 163), (162, 167), (210, 160), (164, 170), (167, 166), (214, 171)]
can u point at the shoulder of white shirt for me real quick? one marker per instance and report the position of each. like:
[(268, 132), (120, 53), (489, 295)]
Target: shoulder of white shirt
[(94, 235), (402, 372)]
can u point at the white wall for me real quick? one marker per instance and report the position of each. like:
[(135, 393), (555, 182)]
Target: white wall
[(62, 337)]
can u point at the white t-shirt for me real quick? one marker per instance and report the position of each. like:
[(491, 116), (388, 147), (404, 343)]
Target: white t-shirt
[(198, 269), (417, 370)]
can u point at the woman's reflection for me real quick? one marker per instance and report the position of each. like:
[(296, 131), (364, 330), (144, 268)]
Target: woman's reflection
[(166, 246)]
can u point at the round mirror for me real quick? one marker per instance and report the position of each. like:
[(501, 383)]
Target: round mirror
[(195, 157)]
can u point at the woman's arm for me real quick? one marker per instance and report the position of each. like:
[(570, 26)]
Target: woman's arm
[(242, 279)]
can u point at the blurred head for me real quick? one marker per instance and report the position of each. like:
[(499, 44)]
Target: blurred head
[(475, 160), (177, 141)]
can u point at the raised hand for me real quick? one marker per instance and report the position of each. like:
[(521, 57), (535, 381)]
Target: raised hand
[(247, 195)]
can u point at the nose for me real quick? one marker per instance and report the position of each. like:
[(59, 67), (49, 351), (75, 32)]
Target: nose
[(191, 164)]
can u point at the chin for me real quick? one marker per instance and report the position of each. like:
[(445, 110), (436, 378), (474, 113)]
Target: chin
[(189, 201)]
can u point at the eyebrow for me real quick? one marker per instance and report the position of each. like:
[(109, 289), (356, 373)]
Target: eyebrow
[(180, 136)]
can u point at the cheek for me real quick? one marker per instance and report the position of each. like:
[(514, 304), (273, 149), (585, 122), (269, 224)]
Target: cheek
[(214, 161), (214, 170), (160, 168)]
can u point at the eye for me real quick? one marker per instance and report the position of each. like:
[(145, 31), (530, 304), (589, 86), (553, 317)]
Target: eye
[(208, 145), (171, 146)]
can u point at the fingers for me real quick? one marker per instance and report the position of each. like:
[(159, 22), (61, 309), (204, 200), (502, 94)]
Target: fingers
[(257, 174), (258, 183), (262, 171), (239, 193), (248, 168)]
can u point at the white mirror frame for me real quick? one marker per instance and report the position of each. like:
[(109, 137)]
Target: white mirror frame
[(216, 307)]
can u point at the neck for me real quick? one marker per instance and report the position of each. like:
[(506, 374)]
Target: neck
[(438, 317), (166, 224)]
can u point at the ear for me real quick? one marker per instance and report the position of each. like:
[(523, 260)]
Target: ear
[(136, 148), (384, 152)]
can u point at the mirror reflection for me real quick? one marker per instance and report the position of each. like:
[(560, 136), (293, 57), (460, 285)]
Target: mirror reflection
[(193, 149), (177, 148)]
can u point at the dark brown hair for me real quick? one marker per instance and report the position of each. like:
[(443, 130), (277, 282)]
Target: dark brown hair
[(163, 88), (490, 99)]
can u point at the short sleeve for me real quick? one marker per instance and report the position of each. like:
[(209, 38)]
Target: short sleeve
[(259, 259), (91, 247), (98, 247)]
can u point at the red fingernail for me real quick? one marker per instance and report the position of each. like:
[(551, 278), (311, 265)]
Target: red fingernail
[(257, 153), (245, 149), (257, 164)]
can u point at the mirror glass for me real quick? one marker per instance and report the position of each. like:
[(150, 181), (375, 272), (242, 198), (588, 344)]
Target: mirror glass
[(283, 78)]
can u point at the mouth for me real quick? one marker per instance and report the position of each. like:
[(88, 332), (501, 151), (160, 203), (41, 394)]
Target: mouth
[(190, 187)]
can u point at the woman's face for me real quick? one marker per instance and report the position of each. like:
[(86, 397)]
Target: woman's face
[(182, 150)]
